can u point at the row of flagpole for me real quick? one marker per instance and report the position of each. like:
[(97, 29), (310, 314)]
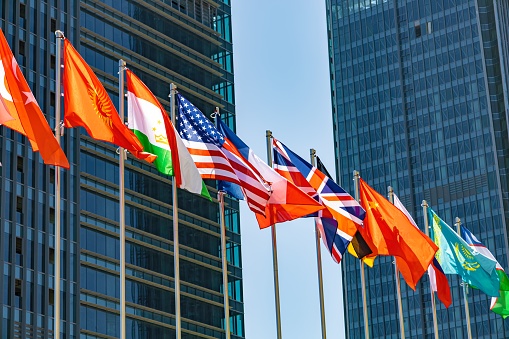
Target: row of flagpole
[(220, 198), (122, 156)]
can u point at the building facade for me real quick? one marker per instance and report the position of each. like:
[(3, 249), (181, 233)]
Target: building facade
[(420, 103), (185, 42)]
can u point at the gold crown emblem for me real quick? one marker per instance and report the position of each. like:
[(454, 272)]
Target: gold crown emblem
[(161, 139)]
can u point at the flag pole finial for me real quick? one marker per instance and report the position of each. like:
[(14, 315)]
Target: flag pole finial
[(59, 34), (424, 203), (268, 134)]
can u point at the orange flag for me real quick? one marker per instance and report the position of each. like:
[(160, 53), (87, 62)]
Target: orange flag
[(392, 233), (88, 105), (19, 110)]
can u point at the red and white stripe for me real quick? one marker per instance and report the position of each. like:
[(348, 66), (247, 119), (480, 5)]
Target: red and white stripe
[(220, 164)]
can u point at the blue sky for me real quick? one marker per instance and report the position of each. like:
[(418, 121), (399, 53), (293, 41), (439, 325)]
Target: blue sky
[(282, 85)]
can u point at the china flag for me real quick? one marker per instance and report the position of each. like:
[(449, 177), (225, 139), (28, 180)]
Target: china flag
[(19, 110), (88, 105)]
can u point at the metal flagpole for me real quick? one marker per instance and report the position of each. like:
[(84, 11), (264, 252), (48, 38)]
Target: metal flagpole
[(224, 261), (268, 135), (356, 177), (319, 263), (176, 258), (58, 97), (433, 303), (220, 197), (465, 288), (121, 190), (398, 282)]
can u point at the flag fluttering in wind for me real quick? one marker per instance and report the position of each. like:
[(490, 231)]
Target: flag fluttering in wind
[(438, 280), (20, 111), (391, 233), (205, 144), (287, 201), (150, 123), (499, 305), (457, 257), (439, 283), (338, 222), (88, 105)]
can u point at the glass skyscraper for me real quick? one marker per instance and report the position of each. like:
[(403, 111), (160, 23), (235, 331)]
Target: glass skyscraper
[(420, 103), (187, 42)]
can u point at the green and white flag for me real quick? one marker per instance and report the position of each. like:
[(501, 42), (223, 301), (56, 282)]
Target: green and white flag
[(150, 123)]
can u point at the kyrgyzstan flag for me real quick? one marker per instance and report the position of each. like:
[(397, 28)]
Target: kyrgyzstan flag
[(19, 110), (392, 233), (88, 105)]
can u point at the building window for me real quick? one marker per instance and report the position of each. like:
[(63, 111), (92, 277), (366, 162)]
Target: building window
[(21, 47), (417, 27), (19, 251), (17, 293)]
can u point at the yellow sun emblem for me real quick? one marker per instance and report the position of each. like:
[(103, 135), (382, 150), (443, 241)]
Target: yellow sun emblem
[(102, 105), (470, 264)]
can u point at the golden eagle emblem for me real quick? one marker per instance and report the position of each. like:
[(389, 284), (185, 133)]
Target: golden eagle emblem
[(102, 105), (470, 264)]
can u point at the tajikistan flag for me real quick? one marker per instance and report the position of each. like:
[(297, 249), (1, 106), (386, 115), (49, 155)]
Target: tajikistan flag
[(149, 121)]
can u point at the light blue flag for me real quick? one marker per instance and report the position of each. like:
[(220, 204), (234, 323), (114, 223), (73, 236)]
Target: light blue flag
[(457, 257)]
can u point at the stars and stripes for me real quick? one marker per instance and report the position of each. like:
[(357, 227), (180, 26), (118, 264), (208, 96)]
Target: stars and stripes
[(205, 144)]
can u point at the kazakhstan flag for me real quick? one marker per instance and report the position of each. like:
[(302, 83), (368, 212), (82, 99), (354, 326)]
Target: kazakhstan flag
[(457, 257)]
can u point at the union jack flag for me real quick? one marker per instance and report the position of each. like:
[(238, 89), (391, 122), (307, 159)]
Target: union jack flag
[(343, 214)]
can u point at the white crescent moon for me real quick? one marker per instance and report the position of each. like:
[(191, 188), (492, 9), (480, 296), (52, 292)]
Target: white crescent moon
[(3, 90)]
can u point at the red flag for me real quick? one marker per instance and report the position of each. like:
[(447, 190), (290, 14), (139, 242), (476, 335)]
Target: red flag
[(439, 283), (88, 105), (392, 233), (19, 110)]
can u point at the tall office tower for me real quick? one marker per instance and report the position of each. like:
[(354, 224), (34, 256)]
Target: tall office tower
[(185, 42), (420, 103)]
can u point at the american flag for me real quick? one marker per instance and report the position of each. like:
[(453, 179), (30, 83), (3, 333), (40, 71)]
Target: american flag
[(205, 144)]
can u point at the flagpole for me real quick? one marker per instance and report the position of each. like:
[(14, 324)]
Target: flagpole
[(319, 262), (220, 197), (224, 261), (398, 282), (121, 189), (58, 97), (465, 288), (356, 177), (433, 303), (176, 258), (268, 135)]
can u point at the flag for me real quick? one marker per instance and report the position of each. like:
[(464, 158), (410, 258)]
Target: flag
[(439, 283), (437, 278), (88, 105), (457, 257), (20, 111), (205, 144), (335, 227), (361, 249), (150, 123), (287, 201), (499, 305), (391, 233)]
